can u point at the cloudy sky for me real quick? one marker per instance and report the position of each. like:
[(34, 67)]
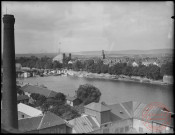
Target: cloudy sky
[(90, 26)]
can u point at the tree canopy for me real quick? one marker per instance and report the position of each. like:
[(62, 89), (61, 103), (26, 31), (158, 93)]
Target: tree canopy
[(88, 93)]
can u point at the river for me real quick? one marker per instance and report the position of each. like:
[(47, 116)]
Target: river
[(113, 91)]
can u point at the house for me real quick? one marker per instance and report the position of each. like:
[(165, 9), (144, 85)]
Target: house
[(28, 89), (134, 64), (96, 119), (72, 101), (26, 111), (146, 63), (18, 67), (125, 117), (47, 123), (168, 79), (22, 99)]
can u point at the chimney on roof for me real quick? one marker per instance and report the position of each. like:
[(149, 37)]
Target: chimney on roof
[(9, 114)]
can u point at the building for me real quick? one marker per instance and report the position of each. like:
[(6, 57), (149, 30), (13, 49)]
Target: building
[(25, 111), (18, 67), (168, 79), (134, 64), (125, 117), (47, 123), (72, 101), (62, 57), (99, 116), (84, 124), (22, 99), (29, 89), (103, 54)]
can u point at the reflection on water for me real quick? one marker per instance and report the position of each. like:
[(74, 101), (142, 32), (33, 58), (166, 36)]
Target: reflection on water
[(113, 91)]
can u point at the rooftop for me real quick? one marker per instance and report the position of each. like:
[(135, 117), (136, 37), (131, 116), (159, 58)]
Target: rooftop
[(28, 110), (40, 122), (84, 124), (71, 98), (99, 107), (39, 90)]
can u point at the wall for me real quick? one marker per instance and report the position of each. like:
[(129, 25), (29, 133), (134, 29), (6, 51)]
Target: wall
[(105, 117), (55, 129), (140, 127), (21, 114), (121, 126)]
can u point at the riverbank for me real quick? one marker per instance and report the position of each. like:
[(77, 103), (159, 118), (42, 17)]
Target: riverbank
[(115, 77)]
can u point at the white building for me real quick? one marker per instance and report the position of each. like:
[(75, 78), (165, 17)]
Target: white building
[(25, 111), (134, 64)]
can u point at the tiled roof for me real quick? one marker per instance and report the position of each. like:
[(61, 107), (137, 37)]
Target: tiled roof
[(117, 112), (28, 110), (40, 90), (22, 97), (132, 109), (49, 119), (97, 107), (35, 123), (29, 124), (84, 124)]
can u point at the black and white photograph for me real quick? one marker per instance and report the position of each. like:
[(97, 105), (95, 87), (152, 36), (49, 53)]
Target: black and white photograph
[(87, 67)]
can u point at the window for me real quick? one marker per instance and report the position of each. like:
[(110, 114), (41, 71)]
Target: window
[(116, 130), (121, 130), (126, 128), (22, 115), (140, 130)]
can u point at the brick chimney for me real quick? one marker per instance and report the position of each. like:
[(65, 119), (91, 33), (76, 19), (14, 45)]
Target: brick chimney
[(9, 115)]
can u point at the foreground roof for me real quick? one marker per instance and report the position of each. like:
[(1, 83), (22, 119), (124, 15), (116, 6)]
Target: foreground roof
[(99, 107), (40, 122), (50, 119), (84, 124), (132, 109)]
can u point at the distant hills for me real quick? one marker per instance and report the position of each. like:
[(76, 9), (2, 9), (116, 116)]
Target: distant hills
[(111, 53), (128, 52)]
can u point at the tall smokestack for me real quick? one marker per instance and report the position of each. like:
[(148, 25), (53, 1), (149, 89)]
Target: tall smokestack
[(70, 56), (9, 114)]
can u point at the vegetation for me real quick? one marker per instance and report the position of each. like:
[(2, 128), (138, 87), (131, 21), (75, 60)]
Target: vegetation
[(151, 71), (88, 93), (19, 91), (56, 105), (40, 63)]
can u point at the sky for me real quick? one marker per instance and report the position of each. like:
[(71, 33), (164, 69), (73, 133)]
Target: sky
[(44, 27)]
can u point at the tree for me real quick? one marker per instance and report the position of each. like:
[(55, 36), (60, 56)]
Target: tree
[(60, 97), (166, 69), (88, 93)]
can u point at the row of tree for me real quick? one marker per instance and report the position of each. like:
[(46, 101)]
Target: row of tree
[(40, 63), (152, 71)]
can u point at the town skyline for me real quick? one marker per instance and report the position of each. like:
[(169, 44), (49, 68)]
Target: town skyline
[(90, 26)]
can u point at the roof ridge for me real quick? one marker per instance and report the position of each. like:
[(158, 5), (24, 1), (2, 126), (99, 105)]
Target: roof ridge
[(125, 110), (39, 126)]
